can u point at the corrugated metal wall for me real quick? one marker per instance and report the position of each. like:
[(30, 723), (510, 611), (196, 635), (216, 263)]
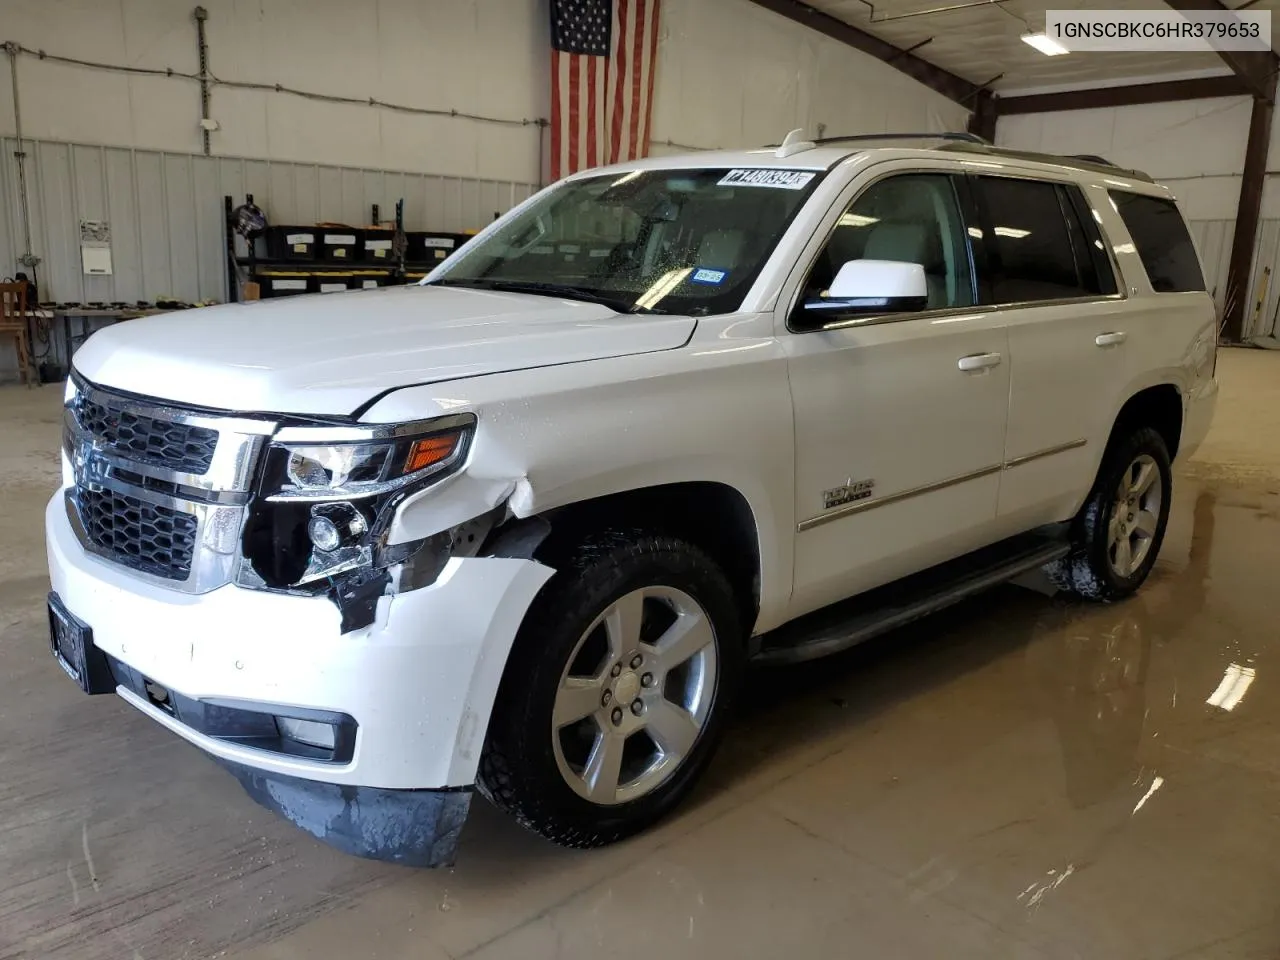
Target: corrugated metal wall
[(165, 211), (1260, 319), (1213, 240)]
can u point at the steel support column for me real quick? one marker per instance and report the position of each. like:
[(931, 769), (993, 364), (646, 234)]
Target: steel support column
[(1248, 211), (983, 119)]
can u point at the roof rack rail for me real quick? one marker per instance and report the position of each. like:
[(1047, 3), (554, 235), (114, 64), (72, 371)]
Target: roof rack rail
[(947, 135), (972, 143), (1090, 158), (1078, 161)]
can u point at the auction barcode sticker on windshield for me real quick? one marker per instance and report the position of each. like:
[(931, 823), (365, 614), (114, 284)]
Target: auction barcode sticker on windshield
[(778, 179)]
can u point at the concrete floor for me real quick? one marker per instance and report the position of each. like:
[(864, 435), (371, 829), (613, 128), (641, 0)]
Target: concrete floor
[(1016, 778)]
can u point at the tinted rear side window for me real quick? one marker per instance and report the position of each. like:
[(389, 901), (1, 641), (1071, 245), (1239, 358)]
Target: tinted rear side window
[(1092, 261), (1163, 243), (1034, 243)]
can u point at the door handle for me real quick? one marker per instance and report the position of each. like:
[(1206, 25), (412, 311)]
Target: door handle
[(978, 362), (1111, 339)]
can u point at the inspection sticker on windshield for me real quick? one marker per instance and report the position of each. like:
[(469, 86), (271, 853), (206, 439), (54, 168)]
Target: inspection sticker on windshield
[(709, 276), (778, 179)]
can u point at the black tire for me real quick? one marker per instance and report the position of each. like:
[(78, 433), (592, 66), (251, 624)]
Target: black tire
[(1088, 571), (518, 769)]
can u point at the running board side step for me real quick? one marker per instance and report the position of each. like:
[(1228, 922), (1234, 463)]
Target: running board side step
[(850, 622)]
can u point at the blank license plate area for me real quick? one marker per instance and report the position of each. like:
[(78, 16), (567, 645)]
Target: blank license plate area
[(70, 639)]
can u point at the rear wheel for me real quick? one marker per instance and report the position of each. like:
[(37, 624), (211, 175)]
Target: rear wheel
[(616, 690), (1117, 535)]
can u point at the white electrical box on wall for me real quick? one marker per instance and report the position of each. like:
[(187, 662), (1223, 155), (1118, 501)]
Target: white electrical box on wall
[(96, 259)]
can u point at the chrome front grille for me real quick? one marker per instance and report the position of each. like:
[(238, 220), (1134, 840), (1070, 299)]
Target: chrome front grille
[(160, 489), (144, 536), (151, 440)]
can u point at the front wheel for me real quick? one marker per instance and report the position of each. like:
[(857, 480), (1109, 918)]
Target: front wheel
[(616, 690), (1117, 535)]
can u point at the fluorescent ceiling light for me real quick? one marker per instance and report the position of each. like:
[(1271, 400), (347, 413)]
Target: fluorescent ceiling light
[(1013, 233), (857, 220), (1046, 45)]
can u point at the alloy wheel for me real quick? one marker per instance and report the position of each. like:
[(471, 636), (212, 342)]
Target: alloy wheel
[(1135, 516), (635, 695)]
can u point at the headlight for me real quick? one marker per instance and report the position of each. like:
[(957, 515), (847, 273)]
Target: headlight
[(327, 495), (298, 468)]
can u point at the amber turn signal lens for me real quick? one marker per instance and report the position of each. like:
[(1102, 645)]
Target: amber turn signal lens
[(431, 450)]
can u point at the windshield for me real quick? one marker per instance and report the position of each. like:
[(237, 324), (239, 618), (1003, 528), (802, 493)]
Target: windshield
[(657, 241)]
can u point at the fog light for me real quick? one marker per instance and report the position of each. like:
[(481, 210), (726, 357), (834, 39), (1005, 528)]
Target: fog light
[(334, 525), (310, 732), (324, 534)]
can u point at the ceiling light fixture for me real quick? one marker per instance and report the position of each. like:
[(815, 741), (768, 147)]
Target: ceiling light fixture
[(1045, 44)]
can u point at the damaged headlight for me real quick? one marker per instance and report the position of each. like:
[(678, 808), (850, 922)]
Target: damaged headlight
[(327, 495), (355, 470)]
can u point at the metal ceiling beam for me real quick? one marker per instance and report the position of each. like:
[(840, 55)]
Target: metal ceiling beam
[(1164, 91), (948, 84), (1253, 67)]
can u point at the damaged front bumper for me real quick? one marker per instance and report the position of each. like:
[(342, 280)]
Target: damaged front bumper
[(414, 828), (419, 682)]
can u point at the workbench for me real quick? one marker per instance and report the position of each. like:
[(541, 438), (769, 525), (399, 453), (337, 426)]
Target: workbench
[(86, 316)]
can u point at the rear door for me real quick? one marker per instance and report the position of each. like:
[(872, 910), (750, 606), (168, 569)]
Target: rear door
[(1051, 278)]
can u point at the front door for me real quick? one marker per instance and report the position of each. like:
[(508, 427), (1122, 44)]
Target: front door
[(899, 417)]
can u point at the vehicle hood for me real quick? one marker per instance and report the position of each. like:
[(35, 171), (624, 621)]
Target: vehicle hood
[(330, 353)]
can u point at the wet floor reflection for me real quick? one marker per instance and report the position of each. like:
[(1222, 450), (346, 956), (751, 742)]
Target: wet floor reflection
[(1091, 664), (1018, 777), (1091, 780)]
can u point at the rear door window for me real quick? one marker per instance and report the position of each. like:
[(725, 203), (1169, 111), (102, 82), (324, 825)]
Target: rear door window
[(1162, 240), (1036, 245)]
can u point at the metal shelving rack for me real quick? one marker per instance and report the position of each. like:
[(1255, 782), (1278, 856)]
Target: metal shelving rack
[(259, 267)]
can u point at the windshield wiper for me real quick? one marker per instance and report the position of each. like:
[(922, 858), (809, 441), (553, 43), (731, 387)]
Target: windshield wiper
[(540, 287)]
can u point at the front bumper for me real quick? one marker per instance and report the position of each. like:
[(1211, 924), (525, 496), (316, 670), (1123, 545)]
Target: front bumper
[(419, 682), (415, 828)]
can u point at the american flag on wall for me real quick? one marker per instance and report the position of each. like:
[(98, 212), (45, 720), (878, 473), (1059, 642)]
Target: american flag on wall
[(603, 57)]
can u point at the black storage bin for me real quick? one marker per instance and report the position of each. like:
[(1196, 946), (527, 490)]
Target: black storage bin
[(288, 243), (377, 246), (269, 287), (332, 283), (339, 244), (432, 246)]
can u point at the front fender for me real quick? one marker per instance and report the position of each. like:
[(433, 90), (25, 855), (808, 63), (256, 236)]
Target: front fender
[(716, 411)]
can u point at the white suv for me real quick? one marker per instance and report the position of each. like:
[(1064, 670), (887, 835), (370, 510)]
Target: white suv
[(522, 527)]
